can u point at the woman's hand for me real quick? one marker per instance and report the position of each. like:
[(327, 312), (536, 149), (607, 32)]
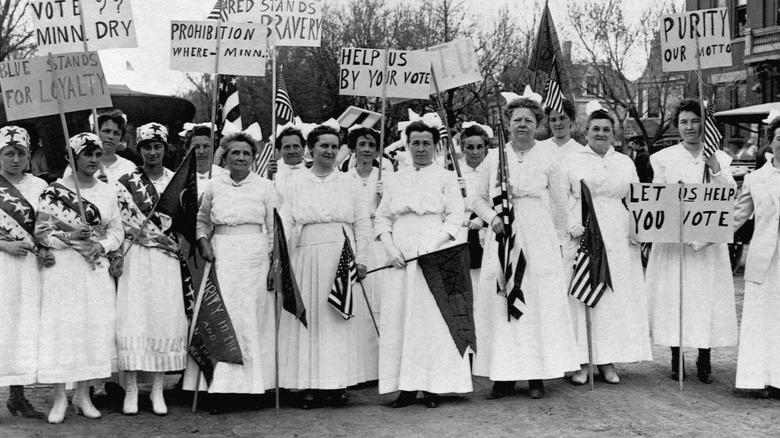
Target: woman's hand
[(95, 250), (475, 224), (698, 246), (462, 183), (272, 167), (380, 187), (81, 234), (396, 256), (17, 248), (361, 271), (269, 281), (713, 164), (634, 242), (576, 231), (205, 250), (498, 226), (45, 258), (117, 266)]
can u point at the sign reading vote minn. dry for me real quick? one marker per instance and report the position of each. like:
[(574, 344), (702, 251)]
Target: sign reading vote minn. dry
[(708, 209), (290, 22), (32, 86), (679, 33), (362, 73), (110, 24), (242, 47), (455, 64)]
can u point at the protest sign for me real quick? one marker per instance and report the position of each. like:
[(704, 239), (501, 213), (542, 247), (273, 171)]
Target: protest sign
[(242, 47), (57, 23), (290, 22), (362, 73), (678, 40), (708, 209), (32, 86), (455, 64)]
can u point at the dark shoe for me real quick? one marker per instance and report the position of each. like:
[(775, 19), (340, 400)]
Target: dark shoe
[(773, 392), (431, 400), (405, 398), (536, 389), (115, 394), (704, 366), (309, 401), (216, 404), (676, 364), (18, 404), (341, 397), (501, 389)]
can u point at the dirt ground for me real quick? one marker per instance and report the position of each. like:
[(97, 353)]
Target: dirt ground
[(646, 403)]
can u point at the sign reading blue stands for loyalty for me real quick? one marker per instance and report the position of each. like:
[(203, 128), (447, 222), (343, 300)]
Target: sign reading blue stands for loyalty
[(678, 40), (243, 47), (654, 211), (296, 23), (32, 86), (110, 25), (362, 73)]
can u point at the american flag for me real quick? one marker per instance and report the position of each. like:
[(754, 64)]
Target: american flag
[(346, 274), (581, 288), (712, 136), (218, 9), (511, 279), (591, 268), (553, 98), (227, 106), (262, 158), (284, 109)]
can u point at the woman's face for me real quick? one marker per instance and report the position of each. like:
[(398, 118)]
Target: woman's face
[(202, 145), (775, 144), (88, 161), (560, 124), (365, 148), (291, 149), (110, 134), (474, 149), (600, 135), (689, 125), (325, 150), (422, 147), (239, 157), (522, 125), (13, 160), (152, 153)]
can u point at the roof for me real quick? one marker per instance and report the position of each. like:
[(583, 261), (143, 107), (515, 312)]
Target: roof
[(748, 114)]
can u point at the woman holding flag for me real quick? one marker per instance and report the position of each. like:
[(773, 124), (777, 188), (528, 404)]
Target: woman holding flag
[(619, 322), (79, 221), (529, 324), (709, 310), (20, 260), (330, 212)]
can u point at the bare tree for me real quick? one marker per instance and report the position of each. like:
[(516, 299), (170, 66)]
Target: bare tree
[(16, 36)]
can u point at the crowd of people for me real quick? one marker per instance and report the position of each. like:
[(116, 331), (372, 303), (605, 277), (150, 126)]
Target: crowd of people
[(96, 283)]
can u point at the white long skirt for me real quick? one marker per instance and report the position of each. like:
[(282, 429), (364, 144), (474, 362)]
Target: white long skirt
[(242, 270), (374, 285), (709, 310), (20, 292), (151, 325), (758, 362), (77, 330), (329, 354), (416, 350), (541, 344)]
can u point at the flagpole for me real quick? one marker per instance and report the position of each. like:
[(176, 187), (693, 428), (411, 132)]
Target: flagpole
[(273, 91), (195, 312), (443, 117), (95, 127), (215, 90), (277, 306), (384, 110), (412, 259), (680, 362), (536, 45), (705, 176), (590, 345), (368, 304)]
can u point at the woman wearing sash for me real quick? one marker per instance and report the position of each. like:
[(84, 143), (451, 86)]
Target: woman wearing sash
[(709, 310), (77, 340), (20, 274), (327, 357), (151, 327)]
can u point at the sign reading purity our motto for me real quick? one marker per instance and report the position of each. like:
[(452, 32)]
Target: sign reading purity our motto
[(242, 47), (32, 86), (362, 73), (679, 33)]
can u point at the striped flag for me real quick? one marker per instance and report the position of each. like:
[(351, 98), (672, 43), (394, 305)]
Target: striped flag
[(262, 158), (591, 268), (553, 98), (284, 109), (218, 9), (227, 105), (346, 274), (712, 136)]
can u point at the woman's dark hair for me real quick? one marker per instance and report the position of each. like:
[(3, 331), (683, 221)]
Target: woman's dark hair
[(420, 126), (535, 108), (770, 131), (568, 108), (238, 137), (87, 150), (115, 115), (287, 132), (353, 136), (198, 131), (475, 131), (601, 114), (686, 105), (314, 135)]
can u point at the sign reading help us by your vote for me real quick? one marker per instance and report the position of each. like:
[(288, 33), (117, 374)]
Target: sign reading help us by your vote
[(362, 73)]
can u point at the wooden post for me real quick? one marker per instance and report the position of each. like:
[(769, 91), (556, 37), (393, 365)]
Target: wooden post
[(590, 345), (215, 91), (443, 117), (681, 371), (384, 110), (706, 175)]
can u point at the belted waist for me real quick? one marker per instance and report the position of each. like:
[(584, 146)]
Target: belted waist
[(326, 232), (232, 230)]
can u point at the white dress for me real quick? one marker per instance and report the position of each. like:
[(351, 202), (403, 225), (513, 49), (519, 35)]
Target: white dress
[(619, 326), (416, 350), (709, 310), (283, 178), (471, 176), (329, 354), (203, 178), (77, 331), (113, 172), (242, 265), (541, 344), (20, 291)]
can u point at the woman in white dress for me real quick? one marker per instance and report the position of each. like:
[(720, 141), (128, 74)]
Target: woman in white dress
[(20, 274), (151, 324), (709, 310), (239, 207), (77, 331), (327, 357), (758, 363), (198, 136), (540, 344), (422, 209), (620, 331)]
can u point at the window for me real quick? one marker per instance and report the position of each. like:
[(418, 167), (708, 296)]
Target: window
[(592, 86), (653, 102), (740, 18)]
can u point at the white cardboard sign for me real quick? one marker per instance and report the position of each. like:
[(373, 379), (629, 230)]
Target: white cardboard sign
[(362, 73), (295, 23), (455, 64), (678, 40), (243, 47)]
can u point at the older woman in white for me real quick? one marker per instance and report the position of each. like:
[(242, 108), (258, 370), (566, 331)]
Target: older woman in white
[(758, 363), (327, 357), (77, 331), (620, 330), (709, 311), (20, 273), (540, 344)]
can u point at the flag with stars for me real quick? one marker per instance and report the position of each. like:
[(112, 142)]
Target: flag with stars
[(346, 274), (591, 269), (58, 213), (17, 217), (712, 135), (228, 106), (553, 98)]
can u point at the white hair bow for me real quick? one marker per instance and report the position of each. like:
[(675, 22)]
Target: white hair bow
[(332, 124), (594, 106), (528, 93), (188, 127), (488, 130), (430, 119), (773, 116), (252, 130)]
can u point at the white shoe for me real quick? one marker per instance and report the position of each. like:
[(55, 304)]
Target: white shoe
[(130, 406), (580, 377), (609, 374), (83, 404), (158, 400), (57, 413)]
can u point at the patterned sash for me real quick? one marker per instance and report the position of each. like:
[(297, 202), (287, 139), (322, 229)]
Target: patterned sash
[(137, 197), (17, 217), (58, 214)]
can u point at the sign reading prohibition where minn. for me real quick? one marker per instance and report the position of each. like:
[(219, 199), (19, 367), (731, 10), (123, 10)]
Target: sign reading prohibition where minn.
[(242, 47), (678, 40), (654, 211)]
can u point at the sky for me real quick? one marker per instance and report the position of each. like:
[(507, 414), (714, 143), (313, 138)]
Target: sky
[(150, 60)]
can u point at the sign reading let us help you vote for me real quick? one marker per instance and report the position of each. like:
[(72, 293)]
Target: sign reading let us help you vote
[(362, 73), (707, 212), (31, 87)]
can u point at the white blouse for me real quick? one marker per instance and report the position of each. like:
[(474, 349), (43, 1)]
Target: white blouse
[(675, 164)]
